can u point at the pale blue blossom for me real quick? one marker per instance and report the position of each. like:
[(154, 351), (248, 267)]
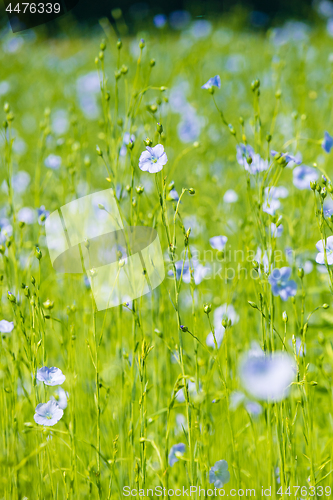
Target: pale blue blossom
[(42, 215), (153, 159), (224, 312), (53, 162), (215, 81), (327, 143), (6, 326), (276, 231), (219, 474), (48, 414), (160, 20), (60, 397), (245, 152), (27, 215), (320, 258), (267, 377), (281, 283), (230, 196), (303, 175), (176, 451), (51, 376), (218, 242)]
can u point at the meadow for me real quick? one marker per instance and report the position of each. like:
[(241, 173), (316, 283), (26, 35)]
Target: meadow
[(221, 377)]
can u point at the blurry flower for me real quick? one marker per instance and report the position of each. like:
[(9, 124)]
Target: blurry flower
[(179, 19), (160, 20), (89, 83), (60, 398), (192, 389), (48, 414), (199, 271), (53, 161), (20, 182), (215, 81), (288, 157), (325, 8), (267, 377), (230, 196), (218, 242), (6, 326), (253, 408), (26, 215), (224, 312), (262, 259), (327, 143), (60, 122), (181, 422), (201, 28), (303, 175), (276, 231), (4, 87), (51, 376), (219, 474), (153, 159), (300, 347), (272, 195), (42, 215), (173, 195), (281, 284), (320, 258), (189, 128), (176, 451), (257, 164), (236, 399)]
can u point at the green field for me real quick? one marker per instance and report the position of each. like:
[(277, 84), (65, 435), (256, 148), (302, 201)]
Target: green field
[(77, 111)]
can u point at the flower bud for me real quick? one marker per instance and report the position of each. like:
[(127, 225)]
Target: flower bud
[(184, 328), (329, 187), (241, 120), (278, 94), (124, 69), (207, 308), (33, 281), (152, 63), (323, 193), (119, 44), (253, 304), (130, 144), (325, 306), (313, 185), (191, 191), (38, 253), (159, 128), (101, 55), (11, 297), (6, 107), (268, 138), (225, 322), (140, 189), (99, 151), (148, 142), (285, 316), (324, 179), (301, 273), (232, 130), (48, 304), (142, 44)]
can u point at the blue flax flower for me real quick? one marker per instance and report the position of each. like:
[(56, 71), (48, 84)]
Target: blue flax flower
[(177, 449), (215, 81), (219, 474), (218, 242), (282, 284), (153, 159), (287, 157), (320, 258), (51, 376), (48, 414), (303, 175), (327, 143)]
